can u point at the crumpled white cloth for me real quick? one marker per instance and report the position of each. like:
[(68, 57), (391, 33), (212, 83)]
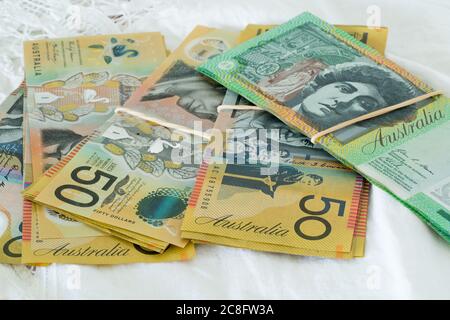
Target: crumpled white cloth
[(404, 258)]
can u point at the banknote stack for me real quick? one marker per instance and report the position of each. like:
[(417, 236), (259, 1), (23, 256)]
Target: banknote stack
[(113, 151)]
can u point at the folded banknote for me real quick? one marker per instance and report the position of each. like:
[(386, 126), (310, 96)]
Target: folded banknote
[(74, 85)]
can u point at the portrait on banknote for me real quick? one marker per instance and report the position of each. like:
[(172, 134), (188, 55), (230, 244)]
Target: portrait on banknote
[(327, 82), (348, 90), (197, 95)]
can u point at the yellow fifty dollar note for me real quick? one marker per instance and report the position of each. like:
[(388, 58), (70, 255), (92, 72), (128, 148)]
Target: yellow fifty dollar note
[(176, 93), (126, 178), (245, 142), (306, 206), (358, 245), (199, 45), (71, 92), (38, 248), (374, 37), (73, 85)]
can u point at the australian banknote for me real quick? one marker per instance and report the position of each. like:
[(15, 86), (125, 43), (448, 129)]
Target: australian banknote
[(132, 177), (291, 144), (176, 93), (11, 177), (199, 48), (73, 86), (66, 82), (373, 37), (99, 249), (313, 76), (306, 209), (252, 137)]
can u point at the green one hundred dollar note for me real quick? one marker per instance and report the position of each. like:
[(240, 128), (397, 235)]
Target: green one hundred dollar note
[(292, 144), (312, 76), (11, 177)]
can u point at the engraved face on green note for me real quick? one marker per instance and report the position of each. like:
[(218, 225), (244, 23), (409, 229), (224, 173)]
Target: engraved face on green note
[(331, 102), (352, 89), (322, 79)]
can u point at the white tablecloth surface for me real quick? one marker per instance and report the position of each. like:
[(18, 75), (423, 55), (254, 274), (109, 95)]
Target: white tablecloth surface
[(404, 258)]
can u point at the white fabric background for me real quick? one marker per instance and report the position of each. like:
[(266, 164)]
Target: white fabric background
[(404, 258)]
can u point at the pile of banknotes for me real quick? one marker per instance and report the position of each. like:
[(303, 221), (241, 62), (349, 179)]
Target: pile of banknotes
[(114, 150)]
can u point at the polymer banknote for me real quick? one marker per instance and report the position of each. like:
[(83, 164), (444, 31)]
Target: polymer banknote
[(100, 249), (11, 177), (305, 209), (176, 93), (313, 76), (374, 37), (75, 84), (131, 177)]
